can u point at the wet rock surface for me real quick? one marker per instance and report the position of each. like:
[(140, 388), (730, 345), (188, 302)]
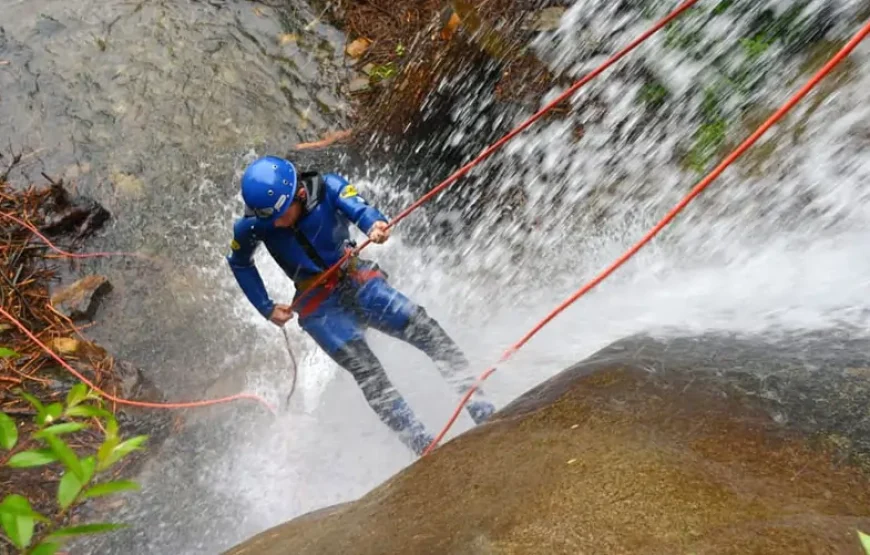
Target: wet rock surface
[(654, 446)]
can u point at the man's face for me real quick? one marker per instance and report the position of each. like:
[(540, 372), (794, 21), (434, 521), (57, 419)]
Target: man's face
[(291, 216)]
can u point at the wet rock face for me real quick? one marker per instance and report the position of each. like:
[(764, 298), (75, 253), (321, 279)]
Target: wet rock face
[(635, 450)]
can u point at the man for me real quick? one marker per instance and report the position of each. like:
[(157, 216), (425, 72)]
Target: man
[(303, 223)]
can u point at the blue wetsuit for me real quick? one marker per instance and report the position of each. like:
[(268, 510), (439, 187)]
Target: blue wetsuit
[(335, 315)]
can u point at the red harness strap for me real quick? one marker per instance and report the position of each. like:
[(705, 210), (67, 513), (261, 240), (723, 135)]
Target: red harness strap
[(314, 300)]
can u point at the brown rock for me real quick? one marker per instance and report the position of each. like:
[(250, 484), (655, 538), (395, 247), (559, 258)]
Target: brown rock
[(79, 301), (616, 455)]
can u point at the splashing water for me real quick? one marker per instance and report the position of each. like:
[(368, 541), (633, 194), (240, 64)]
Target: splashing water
[(776, 244)]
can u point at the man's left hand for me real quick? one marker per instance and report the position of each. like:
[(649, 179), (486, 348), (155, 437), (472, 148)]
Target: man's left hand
[(379, 232)]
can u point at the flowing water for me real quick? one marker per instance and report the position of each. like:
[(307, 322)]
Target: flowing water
[(159, 118)]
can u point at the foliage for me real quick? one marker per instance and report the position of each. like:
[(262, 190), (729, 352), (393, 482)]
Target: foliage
[(710, 136), (384, 71), (743, 67), (653, 95), (29, 531), (865, 541), (6, 352)]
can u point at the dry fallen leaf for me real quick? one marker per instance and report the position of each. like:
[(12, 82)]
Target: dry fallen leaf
[(65, 345), (358, 47), (449, 29), (287, 38)]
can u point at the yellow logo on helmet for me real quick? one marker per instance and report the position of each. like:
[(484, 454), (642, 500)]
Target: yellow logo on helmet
[(349, 191), (235, 245)]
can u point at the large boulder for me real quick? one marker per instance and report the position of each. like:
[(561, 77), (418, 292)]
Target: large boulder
[(701, 445)]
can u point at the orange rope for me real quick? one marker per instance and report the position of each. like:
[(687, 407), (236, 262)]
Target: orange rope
[(832, 63), (145, 404), (52, 246)]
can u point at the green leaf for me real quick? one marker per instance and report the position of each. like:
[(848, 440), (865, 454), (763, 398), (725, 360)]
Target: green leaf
[(89, 465), (87, 411), (51, 413), (121, 451), (111, 487), (95, 528), (865, 541), (46, 548), (8, 432), (6, 352), (58, 429), (18, 528), (28, 459), (66, 455), (77, 394), (33, 401), (11, 507), (68, 489), (105, 451), (111, 428)]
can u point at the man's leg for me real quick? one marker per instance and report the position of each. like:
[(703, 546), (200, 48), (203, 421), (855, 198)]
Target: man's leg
[(357, 358), (390, 312), (337, 332)]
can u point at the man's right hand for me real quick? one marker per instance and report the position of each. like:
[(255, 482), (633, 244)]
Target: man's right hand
[(281, 314)]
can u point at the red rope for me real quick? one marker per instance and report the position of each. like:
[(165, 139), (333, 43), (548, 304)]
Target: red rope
[(32, 228), (832, 63), (501, 142), (145, 404)]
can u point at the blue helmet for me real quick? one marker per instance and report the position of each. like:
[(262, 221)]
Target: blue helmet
[(269, 186)]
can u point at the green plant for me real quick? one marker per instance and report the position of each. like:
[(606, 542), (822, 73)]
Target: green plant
[(29, 531), (865, 541), (384, 71), (6, 352), (685, 33), (755, 46), (653, 95), (710, 136), (722, 7)]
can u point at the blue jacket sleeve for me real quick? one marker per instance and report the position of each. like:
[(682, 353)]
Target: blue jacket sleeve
[(346, 199), (241, 261)]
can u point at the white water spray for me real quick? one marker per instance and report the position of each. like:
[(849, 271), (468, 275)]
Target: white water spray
[(776, 244)]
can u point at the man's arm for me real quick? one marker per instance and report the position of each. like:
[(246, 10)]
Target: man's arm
[(241, 261), (345, 197)]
